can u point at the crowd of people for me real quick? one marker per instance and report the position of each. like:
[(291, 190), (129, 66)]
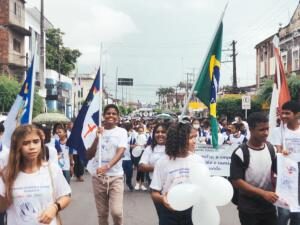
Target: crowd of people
[(37, 169)]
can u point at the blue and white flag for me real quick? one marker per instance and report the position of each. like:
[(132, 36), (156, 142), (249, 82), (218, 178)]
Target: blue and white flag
[(85, 126), (21, 110)]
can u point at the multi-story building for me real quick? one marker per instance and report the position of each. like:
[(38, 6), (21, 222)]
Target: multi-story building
[(12, 33), (32, 43), (289, 44)]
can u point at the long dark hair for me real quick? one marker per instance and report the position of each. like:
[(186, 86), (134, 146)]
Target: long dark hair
[(178, 139), (16, 160), (165, 126)]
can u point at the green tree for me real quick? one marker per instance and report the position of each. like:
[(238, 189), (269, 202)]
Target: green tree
[(231, 106), (294, 87), (9, 91), (59, 58), (265, 92)]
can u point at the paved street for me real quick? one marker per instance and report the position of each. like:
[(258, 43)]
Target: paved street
[(138, 208)]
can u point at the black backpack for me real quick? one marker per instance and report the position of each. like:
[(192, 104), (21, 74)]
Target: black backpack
[(246, 156)]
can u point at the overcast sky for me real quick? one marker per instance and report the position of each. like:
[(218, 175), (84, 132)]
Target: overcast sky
[(157, 42)]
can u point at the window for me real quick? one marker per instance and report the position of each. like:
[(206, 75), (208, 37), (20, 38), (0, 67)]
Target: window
[(17, 45), (15, 8), (30, 40), (295, 62), (271, 51), (284, 60), (261, 54)]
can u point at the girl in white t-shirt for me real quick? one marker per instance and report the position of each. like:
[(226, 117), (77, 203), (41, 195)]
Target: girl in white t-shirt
[(137, 152), (31, 190), (155, 151), (174, 169)]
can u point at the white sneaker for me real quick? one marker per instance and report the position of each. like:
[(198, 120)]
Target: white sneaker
[(137, 187), (143, 188)]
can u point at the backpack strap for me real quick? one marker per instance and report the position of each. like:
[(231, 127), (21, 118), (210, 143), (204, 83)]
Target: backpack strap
[(246, 155), (272, 151), (273, 156)]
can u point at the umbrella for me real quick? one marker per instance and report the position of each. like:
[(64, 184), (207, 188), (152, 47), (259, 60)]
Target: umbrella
[(164, 116), (51, 118)]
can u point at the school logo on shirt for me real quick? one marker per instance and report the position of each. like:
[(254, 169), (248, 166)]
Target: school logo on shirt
[(27, 212)]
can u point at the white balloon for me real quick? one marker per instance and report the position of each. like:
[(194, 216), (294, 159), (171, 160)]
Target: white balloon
[(205, 213), (220, 191), (199, 174), (184, 196)]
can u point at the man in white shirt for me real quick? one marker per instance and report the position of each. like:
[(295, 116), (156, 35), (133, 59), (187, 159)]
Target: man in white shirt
[(283, 138)]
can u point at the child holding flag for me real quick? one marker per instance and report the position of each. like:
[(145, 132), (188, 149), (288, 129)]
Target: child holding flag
[(107, 180)]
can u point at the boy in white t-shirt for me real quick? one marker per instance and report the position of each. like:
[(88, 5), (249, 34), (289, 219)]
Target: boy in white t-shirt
[(284, 138), (108, 182)]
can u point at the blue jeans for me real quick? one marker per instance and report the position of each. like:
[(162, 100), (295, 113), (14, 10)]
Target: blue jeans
[(284, 215), (127, 167), (2, 218)]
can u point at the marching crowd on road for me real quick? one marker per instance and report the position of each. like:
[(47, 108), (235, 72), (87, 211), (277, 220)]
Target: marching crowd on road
[(36, 170)]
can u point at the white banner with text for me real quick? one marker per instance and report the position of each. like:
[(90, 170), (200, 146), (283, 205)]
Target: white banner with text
[(217, 160)]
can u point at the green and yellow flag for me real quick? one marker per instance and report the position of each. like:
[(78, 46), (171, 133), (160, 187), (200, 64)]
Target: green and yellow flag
[(208, 82)]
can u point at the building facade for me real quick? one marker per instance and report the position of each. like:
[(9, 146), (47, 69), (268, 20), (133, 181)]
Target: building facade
[(32, 42), (289, 44), (59, 93), (12, 38)]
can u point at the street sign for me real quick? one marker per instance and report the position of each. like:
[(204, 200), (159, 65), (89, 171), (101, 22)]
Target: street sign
[(246, 102), (125, 81)]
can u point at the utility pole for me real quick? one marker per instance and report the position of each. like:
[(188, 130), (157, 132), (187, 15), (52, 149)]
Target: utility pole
[(42, 49), (116, 93), (234, 54), (42, 65)]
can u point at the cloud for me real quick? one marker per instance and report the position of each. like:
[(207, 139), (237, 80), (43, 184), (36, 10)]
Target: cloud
[(86, 25)]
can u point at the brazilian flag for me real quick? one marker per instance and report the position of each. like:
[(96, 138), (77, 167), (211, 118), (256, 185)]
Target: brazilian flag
[(208, 82)]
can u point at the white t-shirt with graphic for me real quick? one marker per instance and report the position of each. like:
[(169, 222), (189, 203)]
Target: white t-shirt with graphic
[(289, 139), (169, 172), (151, 156), (127, 155), (64, 159), (111, 140), (33, 193)]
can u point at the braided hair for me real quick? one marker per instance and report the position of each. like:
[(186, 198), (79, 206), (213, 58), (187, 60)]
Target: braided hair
[(178, 139)]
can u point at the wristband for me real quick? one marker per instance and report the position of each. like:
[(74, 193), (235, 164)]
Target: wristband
[(58, 206)]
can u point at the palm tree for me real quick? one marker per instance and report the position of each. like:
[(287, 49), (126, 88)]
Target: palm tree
[(265, 92)]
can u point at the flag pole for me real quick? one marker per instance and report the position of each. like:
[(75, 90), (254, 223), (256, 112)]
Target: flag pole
[(33, 83), (202, 64), (100, 101)]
